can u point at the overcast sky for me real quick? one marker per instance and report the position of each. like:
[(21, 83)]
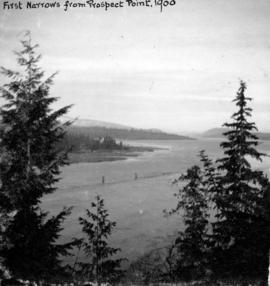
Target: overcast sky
[(177, 70)]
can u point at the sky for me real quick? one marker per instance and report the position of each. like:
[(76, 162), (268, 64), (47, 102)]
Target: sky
[(177, 70)]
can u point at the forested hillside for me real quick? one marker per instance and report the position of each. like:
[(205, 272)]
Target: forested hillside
[(218, 133), (124, 134), (214, 133)]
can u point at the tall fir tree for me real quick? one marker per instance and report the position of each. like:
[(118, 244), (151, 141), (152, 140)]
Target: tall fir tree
[(29, 167), (98, 228), (240, 231), (193, 205)]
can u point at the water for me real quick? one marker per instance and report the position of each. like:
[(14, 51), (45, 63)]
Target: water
[(136, 205)]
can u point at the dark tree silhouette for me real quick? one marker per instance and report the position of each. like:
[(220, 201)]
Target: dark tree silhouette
[(235, 242), (193, 205), (98, 228), (241, 230), (29, 168)]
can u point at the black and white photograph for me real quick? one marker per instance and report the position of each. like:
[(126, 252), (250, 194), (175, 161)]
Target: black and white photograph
[(134, 142)]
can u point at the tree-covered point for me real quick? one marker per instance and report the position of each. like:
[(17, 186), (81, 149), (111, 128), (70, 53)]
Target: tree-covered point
[(30, 164), (80, 142)]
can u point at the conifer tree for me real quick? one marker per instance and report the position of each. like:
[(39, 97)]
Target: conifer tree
[(241, 232), (191, 244), (29, 168), (98, 228)]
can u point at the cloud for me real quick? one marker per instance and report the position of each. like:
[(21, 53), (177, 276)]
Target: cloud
[(152, 68)]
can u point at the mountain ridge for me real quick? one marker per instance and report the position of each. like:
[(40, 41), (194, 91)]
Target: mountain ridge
[(98, 128), (218, 133), (124, 134), (92, 122)]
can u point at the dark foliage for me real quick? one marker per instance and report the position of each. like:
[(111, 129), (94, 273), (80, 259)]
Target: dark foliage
[(234, 242), (29, 168), (156, 266), (98, 228), (79, 142), (124, 134), (241, 230), (192, 244)]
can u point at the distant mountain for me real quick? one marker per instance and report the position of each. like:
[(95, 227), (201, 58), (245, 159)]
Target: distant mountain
[(96, 128), (218, 133), (96, 123), (214, 133), (263, 135), (124, 134)]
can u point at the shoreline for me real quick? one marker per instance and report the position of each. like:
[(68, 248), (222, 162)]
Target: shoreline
[(104, 155)]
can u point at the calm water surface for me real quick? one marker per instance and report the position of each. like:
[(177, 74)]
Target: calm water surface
[(136, 205)]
